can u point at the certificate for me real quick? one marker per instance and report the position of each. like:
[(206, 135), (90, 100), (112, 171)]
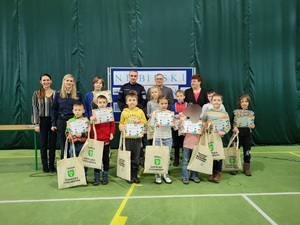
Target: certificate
[(103, 115), (187, 126), (220, 124), (243, 118), (134, 130), (78, 126), (107, 94), (165, 118)]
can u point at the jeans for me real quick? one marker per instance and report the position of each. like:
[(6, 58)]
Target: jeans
[(165, 142), (186, 155), (78, 147)]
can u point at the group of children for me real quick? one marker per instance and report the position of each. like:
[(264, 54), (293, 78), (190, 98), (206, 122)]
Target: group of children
[(164, 135)]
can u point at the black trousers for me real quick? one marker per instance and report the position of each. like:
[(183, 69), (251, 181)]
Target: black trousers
[(245, 141), (134, 145), (105, 159), (47, 138), (61, 136), (177, 142)]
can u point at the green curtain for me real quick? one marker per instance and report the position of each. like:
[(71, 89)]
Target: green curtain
[(239, 46)]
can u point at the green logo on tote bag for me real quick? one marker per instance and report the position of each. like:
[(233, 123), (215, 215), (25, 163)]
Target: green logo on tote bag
[(71, 173), (157, 161), (90, 152), (231, 160), (211, 146)]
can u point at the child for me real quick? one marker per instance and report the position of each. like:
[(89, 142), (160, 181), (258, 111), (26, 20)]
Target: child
[(78, 138), (105, 132), (177, 108), (245, 133), (133, 144), (190, 141), (210, 116), (163, 135), (152, 105), (209, 105)]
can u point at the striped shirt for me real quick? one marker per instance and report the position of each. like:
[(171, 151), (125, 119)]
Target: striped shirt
[(40, 107)]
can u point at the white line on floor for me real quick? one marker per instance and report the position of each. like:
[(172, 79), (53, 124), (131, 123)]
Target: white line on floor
[(259, 210), (145, 197)]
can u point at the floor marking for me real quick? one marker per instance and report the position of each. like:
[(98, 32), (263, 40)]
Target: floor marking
[(259, 210), (294, 154), (118, 219), (145, 197)]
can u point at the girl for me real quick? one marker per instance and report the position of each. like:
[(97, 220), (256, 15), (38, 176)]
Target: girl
[(163, 134), (244, 129), (41, 103), (152, 105)]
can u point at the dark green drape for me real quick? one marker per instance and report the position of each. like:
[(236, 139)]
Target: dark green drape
[(239, 46)]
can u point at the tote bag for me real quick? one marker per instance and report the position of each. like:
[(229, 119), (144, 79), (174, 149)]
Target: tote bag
[(92, 152), (215, 145), (70, 171), (201, 159), (123, 161), (156, 158), (232, 159)]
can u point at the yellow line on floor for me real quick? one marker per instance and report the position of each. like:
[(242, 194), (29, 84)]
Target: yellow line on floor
[(294, 154), (121, 220)]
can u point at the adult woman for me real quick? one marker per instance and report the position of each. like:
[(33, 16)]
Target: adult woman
[(41, 103), (196, 94), (91, 97), (62, 108)]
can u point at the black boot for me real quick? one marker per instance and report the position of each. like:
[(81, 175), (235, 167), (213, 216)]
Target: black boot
[(96, 179), (104, 178)]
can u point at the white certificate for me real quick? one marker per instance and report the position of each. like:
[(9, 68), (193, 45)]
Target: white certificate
[(165, 118), (78, 126), (103, 115), (134, 130)]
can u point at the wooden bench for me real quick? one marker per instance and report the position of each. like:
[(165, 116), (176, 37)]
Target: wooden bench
[(23, 127)]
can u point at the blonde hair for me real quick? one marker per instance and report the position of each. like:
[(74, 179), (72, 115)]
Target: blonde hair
[(158, 92), (63, 90)]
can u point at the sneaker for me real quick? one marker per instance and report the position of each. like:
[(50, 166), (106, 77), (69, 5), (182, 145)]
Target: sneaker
[(185, 180), (157, 178), (167, 179), (234, 172), (195, 179)]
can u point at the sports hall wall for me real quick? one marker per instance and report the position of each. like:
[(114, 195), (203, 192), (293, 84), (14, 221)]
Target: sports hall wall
[(239, 46)]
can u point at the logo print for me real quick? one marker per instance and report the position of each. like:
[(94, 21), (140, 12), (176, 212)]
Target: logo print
[(211, 146), (71, 173), (231, 160), (90, 152), (157, 161)]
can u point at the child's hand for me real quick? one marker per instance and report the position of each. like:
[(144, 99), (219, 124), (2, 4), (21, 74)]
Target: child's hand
[(157, 124), (78, 135), (121, 128), (177, 116), (53, 128), (221, 133), (235, 130), (92, 119), (136, 121), (111, 137), (252, 125), (70, 136)]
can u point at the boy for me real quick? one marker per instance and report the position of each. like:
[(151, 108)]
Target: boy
[(105, 132), (209, 105), (177, 108), (78, 138), (213, 115), (135, 115)]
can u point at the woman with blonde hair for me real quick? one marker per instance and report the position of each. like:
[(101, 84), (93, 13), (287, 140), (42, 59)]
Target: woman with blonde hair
[(62, 108)]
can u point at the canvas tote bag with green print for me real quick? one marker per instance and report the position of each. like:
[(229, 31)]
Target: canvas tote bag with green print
[(70, 171), (124, 160), (232, 159), (92, 152), (156, 158)]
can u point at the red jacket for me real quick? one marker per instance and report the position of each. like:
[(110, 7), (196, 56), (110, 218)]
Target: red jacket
[(103, 131)]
